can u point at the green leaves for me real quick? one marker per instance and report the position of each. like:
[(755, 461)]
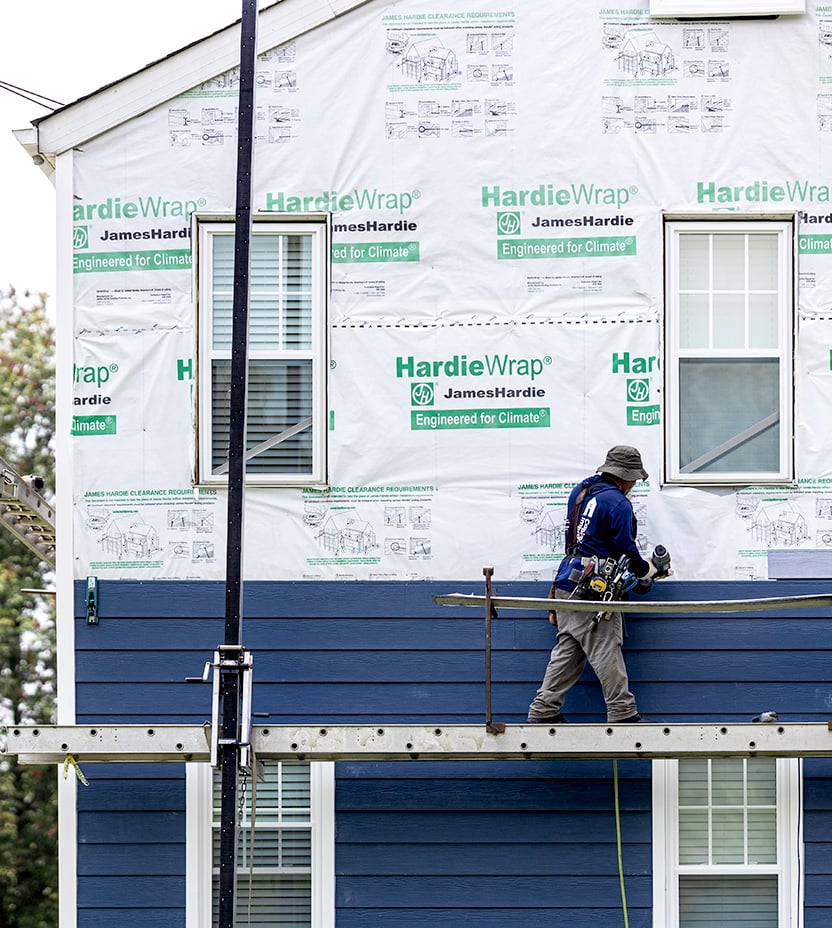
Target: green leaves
[(28, 795)]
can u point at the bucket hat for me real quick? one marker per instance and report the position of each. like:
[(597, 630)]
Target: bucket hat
[(624, 461)]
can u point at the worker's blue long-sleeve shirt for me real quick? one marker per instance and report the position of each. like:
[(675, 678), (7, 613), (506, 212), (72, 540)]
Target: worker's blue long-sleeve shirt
[(606, 527)]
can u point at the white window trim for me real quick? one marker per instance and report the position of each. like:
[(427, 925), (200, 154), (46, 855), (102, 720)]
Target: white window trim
[(723, 8), (786, 226), (789, 843), (198, 863), (319, 226)]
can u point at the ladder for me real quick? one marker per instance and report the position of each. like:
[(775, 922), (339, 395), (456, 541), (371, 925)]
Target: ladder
[(26, 514)]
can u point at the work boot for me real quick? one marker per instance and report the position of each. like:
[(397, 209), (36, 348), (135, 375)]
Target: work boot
[(629, 720), (547, 720)]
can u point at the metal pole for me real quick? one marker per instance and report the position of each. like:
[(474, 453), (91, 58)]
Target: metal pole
[(231, 653), (490, 613)]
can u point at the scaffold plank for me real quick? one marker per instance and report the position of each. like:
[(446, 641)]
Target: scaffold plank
[(640, 605), (167, 743)]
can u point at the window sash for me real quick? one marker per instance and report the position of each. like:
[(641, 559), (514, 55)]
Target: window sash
[(287, 351), (296, 800), (729, 351), (687, 895)]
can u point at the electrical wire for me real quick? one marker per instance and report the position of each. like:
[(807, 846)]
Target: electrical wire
[(30, 95), (618, 844)]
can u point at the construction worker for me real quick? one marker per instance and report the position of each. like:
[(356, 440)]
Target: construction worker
[(600, 525)]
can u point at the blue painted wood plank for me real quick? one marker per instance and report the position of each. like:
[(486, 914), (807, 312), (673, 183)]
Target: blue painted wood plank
[(373, 598), (460, 666), (497, 917), (136, 771), (131, 827), (131, 918), (333, 703), (345, 632), (140, 892), (133, 796), (486, 891), (507, 828), (529, 771), (131, 859), (491, 795), (474, 859)]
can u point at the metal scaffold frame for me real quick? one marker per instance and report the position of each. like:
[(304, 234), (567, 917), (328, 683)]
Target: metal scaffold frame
[(26, 514)]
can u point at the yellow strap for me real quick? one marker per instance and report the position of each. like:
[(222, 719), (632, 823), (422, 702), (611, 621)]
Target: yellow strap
[(69, 761)]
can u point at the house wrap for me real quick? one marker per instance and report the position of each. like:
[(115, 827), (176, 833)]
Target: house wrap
[(490, 240)]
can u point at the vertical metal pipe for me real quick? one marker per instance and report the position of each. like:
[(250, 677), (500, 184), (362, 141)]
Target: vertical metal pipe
[(490, 613), (231, 654)]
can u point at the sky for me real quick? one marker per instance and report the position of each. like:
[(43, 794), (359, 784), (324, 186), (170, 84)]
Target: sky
[(64, 51)]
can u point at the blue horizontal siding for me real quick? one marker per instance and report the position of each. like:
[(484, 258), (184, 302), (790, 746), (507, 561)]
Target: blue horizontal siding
[(496, 917), (447, 843)]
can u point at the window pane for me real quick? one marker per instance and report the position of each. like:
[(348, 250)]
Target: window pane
[(729, 320), (282, 856), (275, 901), (693, 836), (762, 781), (718, 401), (762, 836), (694, 316), (693, 782), (694, 258), (762, 320), (728, 836), (727, 776), (298, 262), (727, 902), (763, 266), (729, 261), (297, 321), (279, 397)]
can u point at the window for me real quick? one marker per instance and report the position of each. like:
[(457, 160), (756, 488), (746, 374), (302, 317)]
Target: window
[(285, 856), (721, 8), (287, 350), (726, 843), (728, 351)]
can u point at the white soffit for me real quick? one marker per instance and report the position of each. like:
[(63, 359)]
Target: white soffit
[(163, 80)]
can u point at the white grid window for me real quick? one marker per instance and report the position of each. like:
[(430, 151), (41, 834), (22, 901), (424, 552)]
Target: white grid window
[(729, 352), (726, 843), (287, 351), (285, 854)]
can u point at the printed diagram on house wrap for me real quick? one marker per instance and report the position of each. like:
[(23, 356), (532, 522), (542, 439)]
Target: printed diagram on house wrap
[(824, 99), (376, 524), (169, 527), (543, 513), (449, 81), (785, 521), (207, 115), (690, 61)]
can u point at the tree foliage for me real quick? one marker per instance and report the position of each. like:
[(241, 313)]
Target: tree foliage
[(28, 795)]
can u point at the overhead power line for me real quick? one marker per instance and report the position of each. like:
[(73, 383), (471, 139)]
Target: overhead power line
[(30, 95)]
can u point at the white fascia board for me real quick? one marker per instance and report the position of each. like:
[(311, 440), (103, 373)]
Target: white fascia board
[(164, 80)]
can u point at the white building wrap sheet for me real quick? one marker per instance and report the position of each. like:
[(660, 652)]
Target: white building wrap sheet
[(497, 174)]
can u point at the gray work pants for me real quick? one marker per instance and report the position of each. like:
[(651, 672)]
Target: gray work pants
[(579, 641)]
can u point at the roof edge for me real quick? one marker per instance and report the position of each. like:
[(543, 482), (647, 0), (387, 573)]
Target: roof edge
[(163, 80)]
